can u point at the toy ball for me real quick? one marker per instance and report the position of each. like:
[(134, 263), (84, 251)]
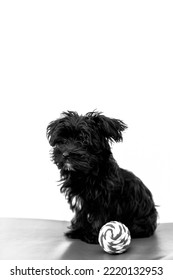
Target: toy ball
[(114, 237)]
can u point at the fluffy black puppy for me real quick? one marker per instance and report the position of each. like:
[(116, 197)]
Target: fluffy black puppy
[(97, 189)]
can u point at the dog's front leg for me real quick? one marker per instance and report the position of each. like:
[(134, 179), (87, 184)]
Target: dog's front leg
[(88, 234)]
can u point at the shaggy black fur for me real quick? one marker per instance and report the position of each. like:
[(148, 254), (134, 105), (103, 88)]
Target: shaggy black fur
[(97, 189)]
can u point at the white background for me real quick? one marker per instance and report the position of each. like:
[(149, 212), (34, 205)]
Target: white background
[(114, 56)]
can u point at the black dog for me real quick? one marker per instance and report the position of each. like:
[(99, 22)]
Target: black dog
[(97, 189)]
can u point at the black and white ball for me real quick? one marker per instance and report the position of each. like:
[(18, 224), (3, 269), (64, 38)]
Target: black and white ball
[(114, 237)]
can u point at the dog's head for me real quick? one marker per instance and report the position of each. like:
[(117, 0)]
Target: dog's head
[(81, 143)]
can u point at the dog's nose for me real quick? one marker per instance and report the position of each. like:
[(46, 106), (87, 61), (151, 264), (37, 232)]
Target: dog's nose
[(65, 154)]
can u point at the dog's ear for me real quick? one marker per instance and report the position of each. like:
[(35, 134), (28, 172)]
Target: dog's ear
[(52, 131), (111, 128)]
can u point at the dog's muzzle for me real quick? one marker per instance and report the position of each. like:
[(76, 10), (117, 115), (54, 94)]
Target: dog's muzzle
[(65, 155), (68, 166)]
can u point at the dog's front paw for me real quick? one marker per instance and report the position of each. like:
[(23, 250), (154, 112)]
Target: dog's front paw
[(79, 234), (73, 234), (90, 239)]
